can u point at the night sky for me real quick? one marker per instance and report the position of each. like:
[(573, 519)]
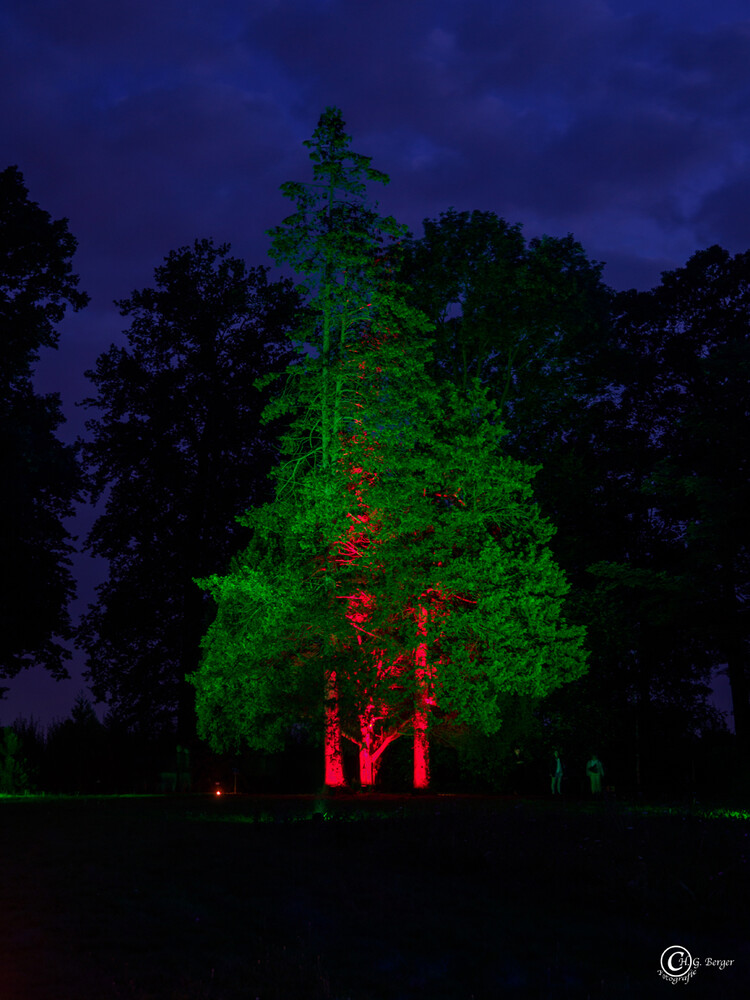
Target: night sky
[(149, 125)]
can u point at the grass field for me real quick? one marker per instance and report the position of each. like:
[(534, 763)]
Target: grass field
[(367, 898)]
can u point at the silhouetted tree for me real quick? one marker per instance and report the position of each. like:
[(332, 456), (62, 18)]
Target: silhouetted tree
[(697, 322), (524, 318), (664, 453), (40, 474), (177, 454), (75, 752)]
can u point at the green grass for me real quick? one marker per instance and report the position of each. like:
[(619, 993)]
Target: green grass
[(704, 812), (366, 898)]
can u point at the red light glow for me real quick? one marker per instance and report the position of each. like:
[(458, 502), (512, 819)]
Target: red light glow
[(378, 677)]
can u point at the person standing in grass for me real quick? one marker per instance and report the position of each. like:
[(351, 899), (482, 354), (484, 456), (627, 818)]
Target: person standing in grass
[(595, 770), (556, 772)]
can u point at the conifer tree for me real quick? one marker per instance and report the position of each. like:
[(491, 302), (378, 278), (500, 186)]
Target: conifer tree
[(355, 328), (402, 570)]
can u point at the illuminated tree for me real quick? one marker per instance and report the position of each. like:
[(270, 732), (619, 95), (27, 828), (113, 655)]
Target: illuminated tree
[(529, 319), (402, 569), (341, 247), (466, 594), (439, 597)]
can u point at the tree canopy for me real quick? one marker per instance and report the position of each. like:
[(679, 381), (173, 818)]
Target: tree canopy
[(177, 452), (402, 570), (40, 473)]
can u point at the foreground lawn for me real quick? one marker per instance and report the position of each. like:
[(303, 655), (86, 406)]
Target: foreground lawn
[(376, 898)]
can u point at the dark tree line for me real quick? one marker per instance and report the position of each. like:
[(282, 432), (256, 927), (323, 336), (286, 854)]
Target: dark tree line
[(635, 405)]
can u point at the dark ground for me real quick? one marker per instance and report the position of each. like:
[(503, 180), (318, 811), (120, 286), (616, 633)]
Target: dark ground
[(366, 898)]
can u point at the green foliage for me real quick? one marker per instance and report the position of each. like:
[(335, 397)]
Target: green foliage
[(345, 252), (331, 237), (395, 499), (13, 768), (255, 679), (40, 474), (460, 533)]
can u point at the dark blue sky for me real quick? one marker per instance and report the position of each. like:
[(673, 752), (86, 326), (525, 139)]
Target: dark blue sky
[(151, 124)]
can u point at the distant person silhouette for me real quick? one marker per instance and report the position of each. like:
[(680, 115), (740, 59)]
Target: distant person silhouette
[(556, 772), (519, 772), (595, 770)]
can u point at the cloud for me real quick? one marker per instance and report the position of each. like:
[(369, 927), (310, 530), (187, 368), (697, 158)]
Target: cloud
[(724, 216), (152, 124), (544, 108)]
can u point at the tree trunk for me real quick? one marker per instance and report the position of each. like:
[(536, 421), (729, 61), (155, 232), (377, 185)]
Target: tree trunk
[(421, 738), (368, 756), (368, 767), (334, 761), (421, 751), (371, 751)]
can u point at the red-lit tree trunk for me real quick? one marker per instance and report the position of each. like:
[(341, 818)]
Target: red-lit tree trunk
[(368, 769), (421, 710), (372, 745), (334, 761), (371, 741), (368, 761)]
